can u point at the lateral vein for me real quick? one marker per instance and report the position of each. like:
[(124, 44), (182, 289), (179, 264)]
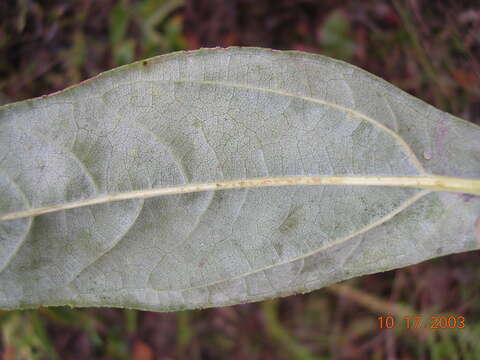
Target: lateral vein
[(336, 242), (408, 150)]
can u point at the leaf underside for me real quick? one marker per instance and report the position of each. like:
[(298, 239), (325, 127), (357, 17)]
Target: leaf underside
[(214, 116)]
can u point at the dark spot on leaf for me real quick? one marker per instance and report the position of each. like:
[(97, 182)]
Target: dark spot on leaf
[(309, 267), (278, 248), (467, 197), (292, 220)]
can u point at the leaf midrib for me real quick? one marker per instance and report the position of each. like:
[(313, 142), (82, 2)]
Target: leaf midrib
[(438, 183), (142, 194)]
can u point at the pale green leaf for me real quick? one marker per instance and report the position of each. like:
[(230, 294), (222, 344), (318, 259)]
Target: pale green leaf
[(224, 176)]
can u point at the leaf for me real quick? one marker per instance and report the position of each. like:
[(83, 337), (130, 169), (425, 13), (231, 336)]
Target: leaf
[(224, 176)]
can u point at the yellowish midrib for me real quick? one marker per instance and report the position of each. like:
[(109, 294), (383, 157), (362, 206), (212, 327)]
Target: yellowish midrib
[(437, 183)]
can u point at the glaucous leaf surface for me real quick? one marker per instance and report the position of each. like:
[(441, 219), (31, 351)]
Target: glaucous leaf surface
[(216, 117)]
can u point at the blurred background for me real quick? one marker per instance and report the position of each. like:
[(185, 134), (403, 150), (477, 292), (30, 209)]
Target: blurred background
[(430, 49)]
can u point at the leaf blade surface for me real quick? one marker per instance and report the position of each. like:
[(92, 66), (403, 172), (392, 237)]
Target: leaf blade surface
[(213, 117)]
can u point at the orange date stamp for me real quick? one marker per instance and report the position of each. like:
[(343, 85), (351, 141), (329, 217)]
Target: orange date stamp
[(417, 321)]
